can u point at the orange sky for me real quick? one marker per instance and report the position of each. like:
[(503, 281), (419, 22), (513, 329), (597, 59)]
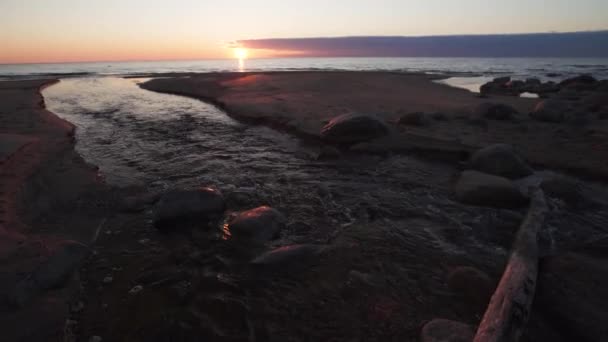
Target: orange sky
[(112, 30)]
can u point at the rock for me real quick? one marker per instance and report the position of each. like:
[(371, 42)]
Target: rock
[(261, 224), (551, 110), (478, 188), (474, 285), (353, 128), (553, 74), (495, 111), (443, 330), (572, 291), (136, 289), (95, 339), (500, 160), (288, 255), (533, 81), (502, 80), (179, 207), (108, 280), (328, 152), (595, 101), (582, 81), (414, 119)]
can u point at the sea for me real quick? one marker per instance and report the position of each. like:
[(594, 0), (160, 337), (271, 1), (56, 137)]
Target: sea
[(467, 73)]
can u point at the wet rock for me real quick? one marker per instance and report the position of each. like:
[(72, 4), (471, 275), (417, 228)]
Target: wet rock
[(502, 80), (474, 285), (353, 128), (581, 82), (495, 111), (501, 86), (443, 330), (551, 110), (572, 291), (482, 189), (500, 160), (533, 82), (179, 207), (288, 255), (595, 101), (414, 119), (261, 224)]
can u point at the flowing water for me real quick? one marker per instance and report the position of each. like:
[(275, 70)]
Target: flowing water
[(392, 225)]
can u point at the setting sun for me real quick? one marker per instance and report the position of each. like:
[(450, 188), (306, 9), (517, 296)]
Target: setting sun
[(240, 53)]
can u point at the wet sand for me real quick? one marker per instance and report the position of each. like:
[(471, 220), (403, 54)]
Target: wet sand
[(383, 276), (303, 102)]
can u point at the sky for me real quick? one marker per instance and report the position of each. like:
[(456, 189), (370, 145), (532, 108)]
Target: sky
[(111, 30)]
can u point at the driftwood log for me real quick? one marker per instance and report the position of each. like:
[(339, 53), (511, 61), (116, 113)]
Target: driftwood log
[(509, 309)]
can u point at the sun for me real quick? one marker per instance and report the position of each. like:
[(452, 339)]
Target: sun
[(241, 53)]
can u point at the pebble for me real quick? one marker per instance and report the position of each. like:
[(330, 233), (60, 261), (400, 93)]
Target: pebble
[(136, 289), (107, 280), (95, 339)]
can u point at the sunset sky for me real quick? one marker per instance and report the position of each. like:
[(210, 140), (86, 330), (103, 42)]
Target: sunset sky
[(109, 30)]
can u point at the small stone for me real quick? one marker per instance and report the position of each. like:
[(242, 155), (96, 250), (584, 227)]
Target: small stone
[(95, 339), (136, 289), (107, 280)]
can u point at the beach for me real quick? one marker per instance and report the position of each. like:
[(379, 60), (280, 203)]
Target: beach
[(373, 228)]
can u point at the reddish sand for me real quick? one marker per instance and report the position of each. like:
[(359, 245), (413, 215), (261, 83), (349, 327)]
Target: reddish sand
[(39, 172)]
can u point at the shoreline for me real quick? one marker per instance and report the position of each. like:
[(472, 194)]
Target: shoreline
[(62, 199), (289, 102)]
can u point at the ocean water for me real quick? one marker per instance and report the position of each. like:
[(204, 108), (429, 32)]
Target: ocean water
[(468, 73)]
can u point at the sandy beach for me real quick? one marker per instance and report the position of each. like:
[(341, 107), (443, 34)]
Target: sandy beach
[(383, 236)]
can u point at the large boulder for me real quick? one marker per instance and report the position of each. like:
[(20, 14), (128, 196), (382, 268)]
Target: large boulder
[(551, 110), (500, 160), (259, 224), (443, 330), (582, 82), (353, 128), (495, 111), (501, 86), (186, 207), (482, 189)]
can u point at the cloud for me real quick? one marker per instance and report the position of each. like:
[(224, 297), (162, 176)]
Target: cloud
[(576, 44)]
